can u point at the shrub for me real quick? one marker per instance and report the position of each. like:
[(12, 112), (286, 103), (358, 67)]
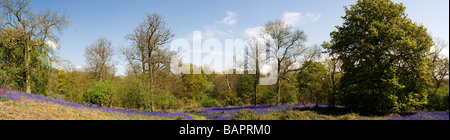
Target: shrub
[(246, 115), (99, 94), (293, 115), (280, 115), (167, 101), (209, 102), (440, 101), (351, 116), (240, 104)]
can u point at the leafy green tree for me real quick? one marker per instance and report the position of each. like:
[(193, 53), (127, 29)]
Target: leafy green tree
[(245, 87), (72, 84), (11, 60), (193, 84), (33, 29), (131, 93), (312, 82), (13, 71), (384, 57)]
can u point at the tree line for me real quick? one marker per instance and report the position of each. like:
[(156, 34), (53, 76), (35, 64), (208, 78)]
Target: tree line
[(378, 60)]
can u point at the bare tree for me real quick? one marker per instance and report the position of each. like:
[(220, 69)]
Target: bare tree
[(99, 59), (35, 28), (149, 41), (289, 49), (132, 60), (439, 63), (149, 47)]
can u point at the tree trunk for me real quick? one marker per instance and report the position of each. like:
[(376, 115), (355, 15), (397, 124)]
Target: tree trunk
[(28, 68), (279, 84), (438, 85), (150, 69), (255, 85), (279, 91), (255, 90), (257, 76)]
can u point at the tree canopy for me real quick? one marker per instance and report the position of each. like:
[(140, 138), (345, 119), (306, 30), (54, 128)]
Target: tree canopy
[(384, 55)]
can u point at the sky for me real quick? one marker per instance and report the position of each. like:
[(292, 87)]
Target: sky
[(216, 19)]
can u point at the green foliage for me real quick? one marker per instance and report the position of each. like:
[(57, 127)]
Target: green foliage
[(100, 94), (289, 96), (209, 90), (351, 116), (240, 104), (439, 101), (207, 101), (230, 97), (12, 66), (132, 95), (12, 74), (193, 84), (383, 54), (268, 95), (41, 64), (312, 82), (296, 115), (283, 115), (209, 96), (167, 101), (244, 88), (246, 115), (72, 85), (126, 89)]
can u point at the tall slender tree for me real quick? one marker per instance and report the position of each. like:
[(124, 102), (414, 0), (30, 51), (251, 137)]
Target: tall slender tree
[(288, 48), (150, 48)]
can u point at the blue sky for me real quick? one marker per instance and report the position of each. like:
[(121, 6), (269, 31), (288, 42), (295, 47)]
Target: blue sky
[(220, 19)]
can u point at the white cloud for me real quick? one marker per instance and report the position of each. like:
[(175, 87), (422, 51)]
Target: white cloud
[(210, 32), (52, 44), (80, 67), (292, 18), (196, 37), (253, 31), (295, 18), (256, 33), (230, 19), (312, 17)]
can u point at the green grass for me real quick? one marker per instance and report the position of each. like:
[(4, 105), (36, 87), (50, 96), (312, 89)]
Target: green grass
[(297, 115), (198, 117), (4, 100), (26, 109)]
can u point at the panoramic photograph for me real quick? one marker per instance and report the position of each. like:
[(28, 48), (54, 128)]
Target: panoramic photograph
[(260, 60)]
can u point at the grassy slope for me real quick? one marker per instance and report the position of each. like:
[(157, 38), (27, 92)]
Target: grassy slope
[(26, 109)]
